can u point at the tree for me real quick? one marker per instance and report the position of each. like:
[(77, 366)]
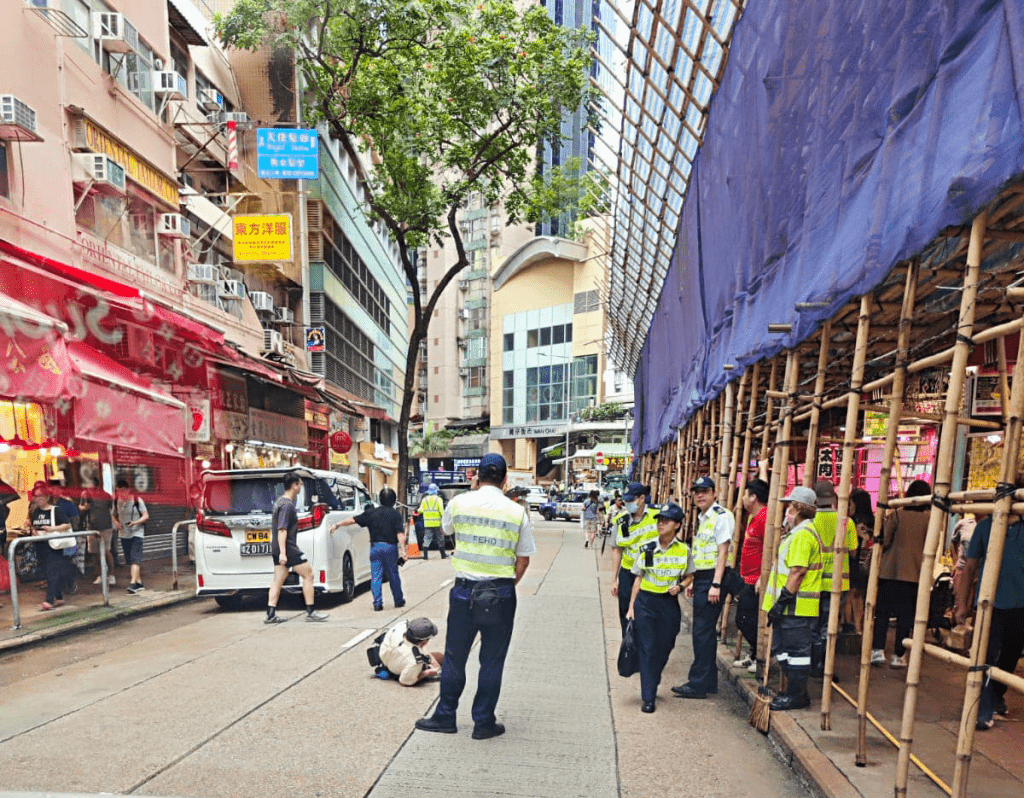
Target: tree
[(444, 98), (430, 441)]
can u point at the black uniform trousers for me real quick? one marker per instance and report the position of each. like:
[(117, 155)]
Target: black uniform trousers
[(704, 671), (746, 616), (625, 591), (657, 624)]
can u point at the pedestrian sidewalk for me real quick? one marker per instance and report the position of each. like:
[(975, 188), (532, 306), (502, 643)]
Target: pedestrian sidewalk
[(85, 608), (826, 758)]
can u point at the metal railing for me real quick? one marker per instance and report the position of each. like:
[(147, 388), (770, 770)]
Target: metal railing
[(174, 550), (54, 536)]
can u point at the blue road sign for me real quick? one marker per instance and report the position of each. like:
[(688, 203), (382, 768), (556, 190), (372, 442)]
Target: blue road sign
[(287, 154)]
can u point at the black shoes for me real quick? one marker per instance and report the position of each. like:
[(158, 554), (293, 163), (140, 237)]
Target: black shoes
[(399, 604), (379, 609), (487, 732), (687, 691), (648, 707), (435, 724), (784, 702)]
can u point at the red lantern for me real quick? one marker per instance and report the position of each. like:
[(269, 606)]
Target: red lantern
[(341, 441)]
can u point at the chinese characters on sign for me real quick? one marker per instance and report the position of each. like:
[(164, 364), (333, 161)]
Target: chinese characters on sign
[(287, 154), (275, 428), (316, 339), (263, 238)]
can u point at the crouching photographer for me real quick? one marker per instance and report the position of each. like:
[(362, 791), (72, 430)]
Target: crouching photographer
[(402, 654)]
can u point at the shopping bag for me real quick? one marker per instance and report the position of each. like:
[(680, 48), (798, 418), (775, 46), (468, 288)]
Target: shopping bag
[(5, 575), (629, 656)]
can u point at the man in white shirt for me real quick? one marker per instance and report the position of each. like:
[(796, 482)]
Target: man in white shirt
[(402, 651)]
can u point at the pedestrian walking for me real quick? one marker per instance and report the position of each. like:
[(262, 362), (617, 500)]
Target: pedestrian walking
[(284, 548), (792, 597), (755, 502), (130, 518), (432, 509), (710, 549), (493, 545), (593, 513), (47, 518), (387, 545), (98, 508), (664, 568), (635, 525), (825, 524)]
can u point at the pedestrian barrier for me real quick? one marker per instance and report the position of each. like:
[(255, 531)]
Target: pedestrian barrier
[(174, 550), (54, 536)]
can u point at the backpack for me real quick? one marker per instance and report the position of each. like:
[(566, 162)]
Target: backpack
[(941, 603)]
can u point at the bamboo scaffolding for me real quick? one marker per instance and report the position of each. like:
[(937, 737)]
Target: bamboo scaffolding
[(940, 487), (843, 511), (680, 450), (810, 456), (885, 479), (1011, 680), (780, 469), (737, 425), (989, 580), (762, 458), (725, 466), (1004, 380), (748, 440)]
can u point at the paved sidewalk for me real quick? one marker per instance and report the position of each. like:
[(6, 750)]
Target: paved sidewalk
[(560, 740)]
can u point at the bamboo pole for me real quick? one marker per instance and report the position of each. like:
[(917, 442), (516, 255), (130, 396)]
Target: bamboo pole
[(989, 580), (1011, 680), (885, 478), (940, 487), (843, 511), (679, 463), (748, 439), (724, 467), (780, 469), (810, 456), (762, 458), (734, 449)]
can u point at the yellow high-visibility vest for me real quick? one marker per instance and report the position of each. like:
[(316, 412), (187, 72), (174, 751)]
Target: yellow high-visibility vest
[(640, 532), (668, 566), (431, 508), (825, 524), (803, 544), (486, 539)]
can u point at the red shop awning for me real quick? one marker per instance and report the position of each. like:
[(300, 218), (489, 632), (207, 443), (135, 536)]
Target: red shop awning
[(34, 361), (79, 275), (118, 407)]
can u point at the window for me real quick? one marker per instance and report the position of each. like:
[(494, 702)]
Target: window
[(5, 180), (532, 338), (477, 377), (346, 264), (476, 348), (179, 61), (510, 342), (584, 382), (507, 397), (586, 302), (544, 336), (545, 393)]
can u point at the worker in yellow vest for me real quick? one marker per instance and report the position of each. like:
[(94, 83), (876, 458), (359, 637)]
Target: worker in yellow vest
[(663, 567), (634, 525), (792, 596), (432, 508), (825, 524), (493, 545)]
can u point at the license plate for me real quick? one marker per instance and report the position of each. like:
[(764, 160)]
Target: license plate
[(257, 543), (255, 549)]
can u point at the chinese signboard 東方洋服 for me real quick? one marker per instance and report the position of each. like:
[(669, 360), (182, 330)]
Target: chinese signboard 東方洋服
[(263, 237)]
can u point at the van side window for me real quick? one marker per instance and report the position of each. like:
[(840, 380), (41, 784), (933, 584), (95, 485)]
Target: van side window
[(364, 497), (325, 494), (345, 495)]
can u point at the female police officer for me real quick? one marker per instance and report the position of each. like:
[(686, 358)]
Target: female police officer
[(665, 567)]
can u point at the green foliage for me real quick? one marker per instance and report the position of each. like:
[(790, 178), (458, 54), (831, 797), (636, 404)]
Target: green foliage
[(609, 411), (429, 442)]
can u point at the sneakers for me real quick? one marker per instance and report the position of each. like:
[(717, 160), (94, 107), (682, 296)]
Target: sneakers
[(752, 667), (316, 617), (98, 580), (275, 618), (898, 662), (746, 662), (111, 580), (135, 587), (877, 656)]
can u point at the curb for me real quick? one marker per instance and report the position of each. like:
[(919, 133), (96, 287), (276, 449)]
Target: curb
[(94, 617)]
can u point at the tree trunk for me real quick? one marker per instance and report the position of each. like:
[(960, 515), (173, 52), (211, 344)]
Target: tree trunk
[(418, 335)]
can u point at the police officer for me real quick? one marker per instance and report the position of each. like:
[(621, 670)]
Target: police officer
[(635, 525), (493, 544), (431, 509), (792, 596), (710, 549), (664, 568), (825, 525)]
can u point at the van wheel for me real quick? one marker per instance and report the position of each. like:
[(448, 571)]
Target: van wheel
[(548, 515), (229, 603), (348, 579)]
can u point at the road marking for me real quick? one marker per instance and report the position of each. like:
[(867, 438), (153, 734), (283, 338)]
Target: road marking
[(357, 639), (447, 582)]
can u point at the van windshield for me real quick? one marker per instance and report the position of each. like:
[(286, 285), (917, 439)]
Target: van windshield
[(257, 494)]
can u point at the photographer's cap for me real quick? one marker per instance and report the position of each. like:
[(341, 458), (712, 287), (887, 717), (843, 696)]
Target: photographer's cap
[(492, 467), (421, 628)]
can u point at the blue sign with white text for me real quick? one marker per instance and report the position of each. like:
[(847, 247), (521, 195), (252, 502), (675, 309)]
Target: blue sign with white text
[(287, 154)]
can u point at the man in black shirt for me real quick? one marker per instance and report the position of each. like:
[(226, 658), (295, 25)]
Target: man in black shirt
[(387, 544), (286, 552)]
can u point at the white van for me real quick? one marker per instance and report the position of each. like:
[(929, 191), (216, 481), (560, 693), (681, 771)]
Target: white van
[(232, 541)]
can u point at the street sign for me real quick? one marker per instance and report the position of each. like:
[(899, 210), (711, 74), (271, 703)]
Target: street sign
[(263, 237), (286, 154), (600, 467)]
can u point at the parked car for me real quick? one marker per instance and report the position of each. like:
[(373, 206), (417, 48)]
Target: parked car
[(232, 541), (536, 496), (567, 508)]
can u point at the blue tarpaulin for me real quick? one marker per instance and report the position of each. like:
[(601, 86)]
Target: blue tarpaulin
[(844, 136)]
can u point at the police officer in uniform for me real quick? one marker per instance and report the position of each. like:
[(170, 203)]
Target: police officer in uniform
[(664, 567), (709, 549), (791, 598), (635, 525), (431, 509), (825, 525), (493, 544)]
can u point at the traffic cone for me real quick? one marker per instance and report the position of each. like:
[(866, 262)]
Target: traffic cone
[(412, 549)]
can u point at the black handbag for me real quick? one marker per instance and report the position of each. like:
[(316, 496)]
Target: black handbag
[(629, 655)]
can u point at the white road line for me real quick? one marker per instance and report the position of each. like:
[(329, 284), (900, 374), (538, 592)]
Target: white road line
[(447, 582), (357, 639)]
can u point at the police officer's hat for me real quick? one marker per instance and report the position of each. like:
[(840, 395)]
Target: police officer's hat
[(634, 489), (671, 511), (421, 629), (703, 483), (493, 468)]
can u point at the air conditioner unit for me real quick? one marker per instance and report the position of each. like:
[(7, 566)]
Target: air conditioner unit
[(284, 315), (173, 225), (464, 371), (272, 341), (231, 289), (463, 285), (170, 84), (238, 117), (262, 301), (495, 225), (463, 343), (464, 314), (115, 33), (17, 120), (203, 273), (205, 292), (99, 173), (210, 99)]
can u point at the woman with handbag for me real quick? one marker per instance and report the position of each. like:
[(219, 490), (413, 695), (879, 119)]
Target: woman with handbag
[(46, 518)]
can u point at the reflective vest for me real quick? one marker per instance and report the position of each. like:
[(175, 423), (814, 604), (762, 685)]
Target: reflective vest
[(431, 508), (705, 549), (486, 539), (667, 568), (825, 524), (640, 532), (801, 540)]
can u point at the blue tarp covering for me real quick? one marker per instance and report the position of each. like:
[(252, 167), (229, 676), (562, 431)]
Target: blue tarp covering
[(844, 137)]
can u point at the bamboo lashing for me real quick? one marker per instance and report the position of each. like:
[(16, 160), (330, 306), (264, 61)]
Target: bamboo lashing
[(940, 487), (810, 456), (843, 511), (885, 479), (1011, 680)]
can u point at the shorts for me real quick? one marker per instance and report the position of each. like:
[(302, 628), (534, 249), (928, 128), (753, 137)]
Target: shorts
[(295, 556), (93, 544), (132, 548), (590, 526)]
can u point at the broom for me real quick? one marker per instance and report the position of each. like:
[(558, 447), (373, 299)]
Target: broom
[(761, 711)]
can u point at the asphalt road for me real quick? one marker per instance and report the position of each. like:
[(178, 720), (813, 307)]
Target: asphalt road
[(195, 701)]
